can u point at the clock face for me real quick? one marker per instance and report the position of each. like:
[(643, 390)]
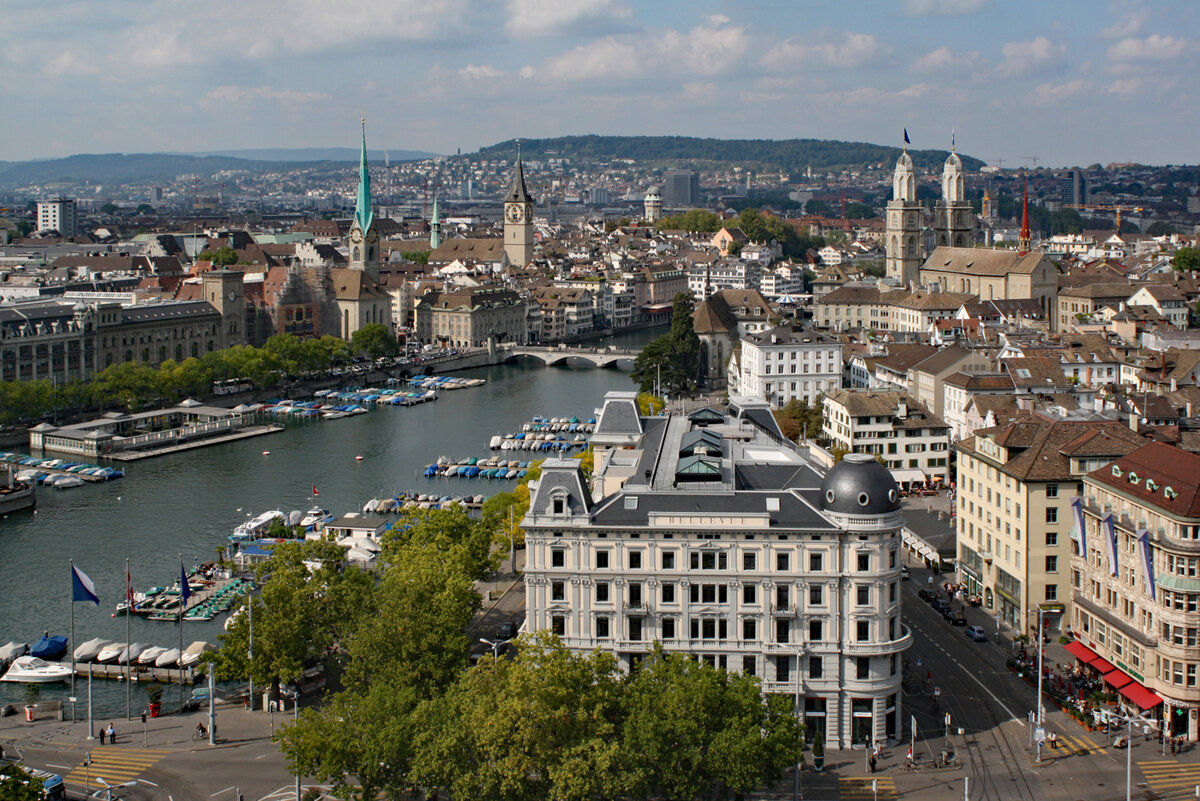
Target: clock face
[(232, 295), (514, 213), (356, 235), (372, 236)]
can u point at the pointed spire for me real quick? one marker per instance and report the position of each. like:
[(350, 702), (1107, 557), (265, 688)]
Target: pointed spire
[(435, 225), (519, 193), (1024, 240), (363, 215)]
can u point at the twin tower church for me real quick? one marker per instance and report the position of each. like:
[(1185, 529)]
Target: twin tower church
[(952, 218)]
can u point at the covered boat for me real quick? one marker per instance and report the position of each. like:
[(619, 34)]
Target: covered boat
[(89, 650), (49, 647)]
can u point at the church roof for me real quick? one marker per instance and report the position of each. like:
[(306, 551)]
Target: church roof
[(351, 284), (363, 215), (983, 261), (713, 316), (519, 193)]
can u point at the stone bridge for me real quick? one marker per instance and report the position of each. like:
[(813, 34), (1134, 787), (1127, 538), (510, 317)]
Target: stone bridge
[(558, 354)]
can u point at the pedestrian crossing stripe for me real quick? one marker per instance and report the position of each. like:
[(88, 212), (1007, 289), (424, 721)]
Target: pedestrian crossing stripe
[(856, 788), (113, 766), (1165, 775), (1079, 745)]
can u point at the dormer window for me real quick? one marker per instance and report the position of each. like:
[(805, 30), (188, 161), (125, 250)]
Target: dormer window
[(1117, 472), (1150, 485), (1133, 477), (558, 503)]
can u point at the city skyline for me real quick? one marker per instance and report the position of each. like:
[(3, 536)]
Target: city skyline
[(451, 74)]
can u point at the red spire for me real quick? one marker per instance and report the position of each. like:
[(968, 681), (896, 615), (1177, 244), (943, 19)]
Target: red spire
[(1024, 240)]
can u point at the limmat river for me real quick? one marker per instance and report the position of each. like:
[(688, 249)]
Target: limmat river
[(188, 503)]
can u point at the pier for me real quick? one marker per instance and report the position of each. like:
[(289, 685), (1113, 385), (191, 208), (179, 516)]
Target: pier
[(138, 673)]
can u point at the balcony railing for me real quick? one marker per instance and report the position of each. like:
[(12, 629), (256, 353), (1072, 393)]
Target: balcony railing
[(783, 611), (636, 608)]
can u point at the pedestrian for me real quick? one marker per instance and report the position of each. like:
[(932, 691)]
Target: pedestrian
[(1054, 741), (878, 750), (112, 735), (908, 756), (1146, 732), (102, 739), (871, 762), (1172, 746)]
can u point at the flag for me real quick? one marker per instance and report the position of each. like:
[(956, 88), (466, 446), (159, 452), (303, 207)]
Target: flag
[(951, 138), (185, 591), (1080, 534), (1148, 564), (907, 141), (315, 493), (82, 588), (1112, 544), (131, 604)]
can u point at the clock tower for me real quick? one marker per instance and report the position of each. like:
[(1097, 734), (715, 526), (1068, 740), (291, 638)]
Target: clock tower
[(518, 219), (364, 236)]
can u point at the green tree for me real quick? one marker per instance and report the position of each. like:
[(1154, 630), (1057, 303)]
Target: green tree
[(416, 256), (797, 418), (374, 340), (109, 209), (145, 208), (1161, 228), (671, 362), (816, 207), (1186, 259), (692, 220), (17, 785), (223, 256)]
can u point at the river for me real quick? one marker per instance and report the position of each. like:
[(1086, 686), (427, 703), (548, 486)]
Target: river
[(188, 503)]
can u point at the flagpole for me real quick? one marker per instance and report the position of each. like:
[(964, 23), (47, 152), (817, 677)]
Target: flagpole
[(91, 726), (71, 642), (182, 601), (128, 641)]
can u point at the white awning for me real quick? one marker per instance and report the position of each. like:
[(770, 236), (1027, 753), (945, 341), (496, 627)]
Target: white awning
[(909, 474)]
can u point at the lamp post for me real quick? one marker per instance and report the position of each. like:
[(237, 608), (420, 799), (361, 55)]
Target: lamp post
[(495, 646), (1040, 709), (250, 651), (796, 709), (1129, 720)]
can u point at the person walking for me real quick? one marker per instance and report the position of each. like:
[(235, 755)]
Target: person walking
[(871, 762), (112, 734), (103, 732), (1054, 741)]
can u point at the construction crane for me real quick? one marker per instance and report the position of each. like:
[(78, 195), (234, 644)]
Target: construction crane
[(1099, 207), (1033, 159)]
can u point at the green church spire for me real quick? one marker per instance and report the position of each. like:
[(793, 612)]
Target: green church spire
[(362, 211), (435, 225)]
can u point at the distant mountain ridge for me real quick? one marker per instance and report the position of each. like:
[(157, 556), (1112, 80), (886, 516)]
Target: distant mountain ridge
[(317, 154), (792, 155)]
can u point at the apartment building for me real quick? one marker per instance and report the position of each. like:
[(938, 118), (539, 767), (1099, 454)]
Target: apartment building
[(786, 363), (914, 443), (1015, 484), (715, 537), (1135, 582)]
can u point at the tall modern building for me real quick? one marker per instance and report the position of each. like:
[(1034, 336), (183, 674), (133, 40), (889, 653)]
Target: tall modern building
[(57, 214), (681, 188), (1073, 187), (712, 534)]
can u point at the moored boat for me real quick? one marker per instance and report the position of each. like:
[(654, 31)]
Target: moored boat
[(110, 652), (89, 650), (168, 658), (150, 655), (31, 669), (191, 654), (49, 647)]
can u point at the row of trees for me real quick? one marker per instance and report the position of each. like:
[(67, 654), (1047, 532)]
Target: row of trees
[(134, 385), (757, 226)]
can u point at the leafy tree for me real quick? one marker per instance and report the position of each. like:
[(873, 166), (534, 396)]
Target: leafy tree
[(145, 208), (797, 418), (693, 220), (416, 256), (859, 211), (649, 405), (671, 362), (109, 209), (17, 785), (875, 267), (221, 257), (1186, 259), (1161, 228), (375, 340), (816, 207)]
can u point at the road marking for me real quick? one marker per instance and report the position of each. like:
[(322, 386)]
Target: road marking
[(1079, 744), (1166, 776), (113, 765), (860, 789)]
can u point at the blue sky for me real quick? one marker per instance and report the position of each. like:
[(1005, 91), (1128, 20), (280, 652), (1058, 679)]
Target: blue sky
[(1068, 81)]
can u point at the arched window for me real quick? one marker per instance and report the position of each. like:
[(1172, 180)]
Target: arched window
[(108, 360), (162, 353), (195, 350), (128, 355)]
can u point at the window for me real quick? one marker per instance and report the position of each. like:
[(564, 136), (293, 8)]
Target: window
[(815, 562), (668, 560), (816, 667), (1051, 490), (668, 628), (863, 667), (862, 631), (781, 667), (635, 628), (749, 560), (862, 594), (781, 561), (558, 557), (1051, 564), (558, 591), (1051, 592), (602, 592), (558, 625), (864, 562), (1051, 514), (602, 559), (750, 594), (1051, 538), (814, 630), (782, 630), (749, 629), (635, 560), (668, 592), (602, 628), (749, 665), (635, 593), (782, 596), (816, 595)]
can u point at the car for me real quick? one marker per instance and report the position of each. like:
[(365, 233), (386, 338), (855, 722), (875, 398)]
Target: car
[(940, 605), (924, 594), (903, 573), (958, 618), (975, 633), (506, 630)]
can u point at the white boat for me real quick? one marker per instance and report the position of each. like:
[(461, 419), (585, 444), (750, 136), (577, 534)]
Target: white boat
[(313, 516), (168, 658), (152, 653), (37, 671), (191, 654), (130, 654), (89, 650), (110, 652), (10, 651), (64, 482)]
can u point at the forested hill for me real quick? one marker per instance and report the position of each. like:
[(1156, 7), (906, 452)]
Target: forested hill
[(792, 155)]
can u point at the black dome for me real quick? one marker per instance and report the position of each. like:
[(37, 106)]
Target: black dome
[(859, 485)]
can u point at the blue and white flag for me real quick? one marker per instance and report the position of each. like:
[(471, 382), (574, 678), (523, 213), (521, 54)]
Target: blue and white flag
[(1110, 529), (1080, 533), (185, 590), (82, 588), (1148, 564), (907, 141)]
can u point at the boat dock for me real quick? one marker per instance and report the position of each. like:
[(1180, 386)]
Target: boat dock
[(137, 673), (179, 445), (208, 598)]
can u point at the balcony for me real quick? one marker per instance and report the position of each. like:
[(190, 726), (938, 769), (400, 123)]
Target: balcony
[(783, 611), (636, 608), (880, 648)]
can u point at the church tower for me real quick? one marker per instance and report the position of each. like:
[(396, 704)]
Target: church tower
[(364, 236), (435, 225), (952, 215), (518, 219), (903, 224)]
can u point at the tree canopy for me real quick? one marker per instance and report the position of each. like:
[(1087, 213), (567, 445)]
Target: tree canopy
[(672, 362), (1186, 259)]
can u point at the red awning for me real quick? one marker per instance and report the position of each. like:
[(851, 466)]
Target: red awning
[(1080, 651), (1102, 665), (1141, 696), (1117, 678)]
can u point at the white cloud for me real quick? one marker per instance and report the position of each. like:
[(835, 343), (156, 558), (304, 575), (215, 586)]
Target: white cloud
[(1152, 48), (604, 58), (1128, 24), (943, 6), (708, 49), (1028, 58), (479, 72), (945, 59), (544, 17), (850, 51), (869, 95), (1127, 86), (224, 95), (1048, 94)]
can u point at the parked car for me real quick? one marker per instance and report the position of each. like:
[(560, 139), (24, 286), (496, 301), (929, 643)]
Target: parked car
[(903, 573), (506, 630), (925, 595), (975, 633), (958, 618), (941, 605)]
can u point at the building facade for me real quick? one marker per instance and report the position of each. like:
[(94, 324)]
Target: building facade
[(784, 364), (913, 443), (712, 536), (58, 214)]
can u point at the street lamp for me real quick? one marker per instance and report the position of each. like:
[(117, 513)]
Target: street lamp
[(796, 709), (495, 646), (1040, 709)]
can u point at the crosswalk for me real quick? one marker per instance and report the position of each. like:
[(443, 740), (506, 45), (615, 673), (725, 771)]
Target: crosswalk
[(1167, 776), (861, 789), (112, 765), (1077, 744)]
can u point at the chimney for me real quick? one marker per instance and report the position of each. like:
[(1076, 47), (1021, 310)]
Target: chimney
[(902, 408)]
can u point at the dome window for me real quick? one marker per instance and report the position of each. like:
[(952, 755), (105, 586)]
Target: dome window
[(864, 499)]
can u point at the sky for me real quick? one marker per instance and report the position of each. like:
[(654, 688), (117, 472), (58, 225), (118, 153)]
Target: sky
[(1070, 82)]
